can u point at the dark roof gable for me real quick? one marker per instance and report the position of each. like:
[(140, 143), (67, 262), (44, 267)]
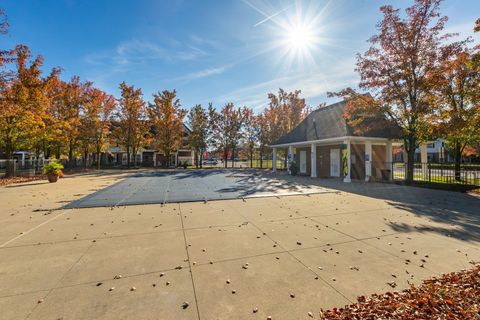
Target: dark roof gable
[(328, 122)]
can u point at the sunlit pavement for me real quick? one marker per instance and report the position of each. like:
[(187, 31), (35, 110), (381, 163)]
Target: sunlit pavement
[(278, 256)]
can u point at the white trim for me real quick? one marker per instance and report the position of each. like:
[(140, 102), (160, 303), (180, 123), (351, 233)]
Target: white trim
[(336, 139)]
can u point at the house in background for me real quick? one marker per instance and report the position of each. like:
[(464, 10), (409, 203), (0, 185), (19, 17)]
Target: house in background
[(437, 151), (325, 145), (149, 156)]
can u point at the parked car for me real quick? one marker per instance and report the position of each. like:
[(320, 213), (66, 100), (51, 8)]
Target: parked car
[(210, 161)]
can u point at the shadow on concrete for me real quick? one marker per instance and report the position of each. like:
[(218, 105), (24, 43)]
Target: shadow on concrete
[(454, 214)]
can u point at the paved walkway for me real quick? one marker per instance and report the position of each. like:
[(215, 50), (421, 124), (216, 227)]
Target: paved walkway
[(282, 256)]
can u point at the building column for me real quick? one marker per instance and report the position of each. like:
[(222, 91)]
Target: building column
[(347, 177), (388, 159), (313, 161), (368, 160), (289, 158), (424, 160), (274, 159)]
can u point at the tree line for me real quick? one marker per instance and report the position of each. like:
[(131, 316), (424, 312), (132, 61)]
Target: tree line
[(67, 119), (421, 79)]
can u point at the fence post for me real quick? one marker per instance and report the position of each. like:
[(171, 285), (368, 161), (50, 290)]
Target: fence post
[(429, 173)]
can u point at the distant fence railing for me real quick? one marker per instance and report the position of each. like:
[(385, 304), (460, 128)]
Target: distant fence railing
[(435, 173), (32, 167), (16, 167)]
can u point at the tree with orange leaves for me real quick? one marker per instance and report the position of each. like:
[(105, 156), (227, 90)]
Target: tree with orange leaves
[(22, 102), (133, 127), (284, 112), (250, 132), (397, 71), (225, 129), (457, 87), (263, 135), (96, 120), (166, 115)]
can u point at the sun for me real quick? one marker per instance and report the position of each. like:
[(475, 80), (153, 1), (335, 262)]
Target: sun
[(299, 38)]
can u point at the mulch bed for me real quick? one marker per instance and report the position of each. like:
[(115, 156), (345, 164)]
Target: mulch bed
[(7, 181), (452, 296)]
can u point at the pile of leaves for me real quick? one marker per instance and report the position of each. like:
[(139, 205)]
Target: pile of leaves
[(12, 180), (452, 296)]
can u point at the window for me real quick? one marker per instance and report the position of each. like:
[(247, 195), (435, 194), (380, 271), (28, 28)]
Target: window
[(431, 145)]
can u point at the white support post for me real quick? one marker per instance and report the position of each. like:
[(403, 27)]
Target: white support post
[(368, 160), (290, 158), (424, 160), (348, 173), (274, 159), (388, 159), (313, 162)]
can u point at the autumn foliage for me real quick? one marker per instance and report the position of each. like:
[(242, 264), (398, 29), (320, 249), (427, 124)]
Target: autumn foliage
[(452, 296), (406, 76)]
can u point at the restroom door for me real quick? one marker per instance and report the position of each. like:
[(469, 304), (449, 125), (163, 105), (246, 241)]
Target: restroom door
[(335, 162), (303, 161)]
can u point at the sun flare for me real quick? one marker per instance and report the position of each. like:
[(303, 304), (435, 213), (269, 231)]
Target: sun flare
[(299, 37)]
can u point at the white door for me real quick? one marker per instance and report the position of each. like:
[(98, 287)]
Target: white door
[(303, 161), (335, 162)]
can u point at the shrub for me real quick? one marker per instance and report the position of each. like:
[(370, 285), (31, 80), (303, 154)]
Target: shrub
[(53, 167)]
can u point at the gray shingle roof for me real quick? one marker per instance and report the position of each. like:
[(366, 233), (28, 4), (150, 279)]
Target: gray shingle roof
[(328, 122)]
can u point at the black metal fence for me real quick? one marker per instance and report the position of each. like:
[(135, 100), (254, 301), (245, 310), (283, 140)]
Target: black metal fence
[(32, 167), (435, 173)]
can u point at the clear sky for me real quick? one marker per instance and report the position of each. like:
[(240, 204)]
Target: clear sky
[(209, 50)]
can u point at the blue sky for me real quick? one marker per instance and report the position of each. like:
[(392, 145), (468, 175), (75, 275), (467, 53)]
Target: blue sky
[(209, 50)]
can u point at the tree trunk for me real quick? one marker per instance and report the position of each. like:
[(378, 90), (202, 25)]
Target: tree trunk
[(285, 160), (201, 158), (457, 158), (98, 158), (251, 158), (134, 154), (85, 158), (10, 168), (70, 153), (410, 146), (10, 163), (233, 157), (261, 157), (225, 157), (128, 157)]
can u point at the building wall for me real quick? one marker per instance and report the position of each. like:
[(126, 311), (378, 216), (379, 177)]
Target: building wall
[(357, 160), (323, 160)]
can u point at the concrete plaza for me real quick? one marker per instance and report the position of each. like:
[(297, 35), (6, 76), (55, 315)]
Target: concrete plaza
[(280, 255)]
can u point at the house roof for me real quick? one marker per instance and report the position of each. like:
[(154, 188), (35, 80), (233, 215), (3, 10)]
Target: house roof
[(328, 122)]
